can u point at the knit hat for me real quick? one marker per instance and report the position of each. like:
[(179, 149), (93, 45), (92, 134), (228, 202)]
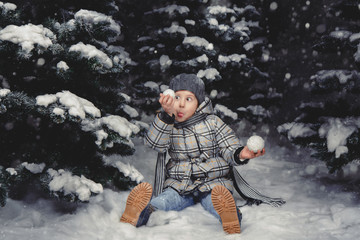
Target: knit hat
[(189, 82)]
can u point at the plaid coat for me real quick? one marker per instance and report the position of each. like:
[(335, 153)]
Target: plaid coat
[(200, 154)]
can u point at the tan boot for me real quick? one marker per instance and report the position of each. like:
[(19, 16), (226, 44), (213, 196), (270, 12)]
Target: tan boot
[(224, 205), (136, 202)]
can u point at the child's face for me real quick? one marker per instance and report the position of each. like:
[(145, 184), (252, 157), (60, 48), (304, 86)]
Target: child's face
[(185, 105)]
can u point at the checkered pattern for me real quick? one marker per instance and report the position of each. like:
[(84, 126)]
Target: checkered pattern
[(200, 155)]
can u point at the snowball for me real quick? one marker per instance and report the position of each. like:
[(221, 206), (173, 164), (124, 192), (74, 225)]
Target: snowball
[(169, 92), (255, 143)]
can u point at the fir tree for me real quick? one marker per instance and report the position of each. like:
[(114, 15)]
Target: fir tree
[(329, 119), (223, 43), (62, 107)]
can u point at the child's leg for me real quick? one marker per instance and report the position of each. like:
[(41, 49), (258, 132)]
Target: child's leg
[(225, 206), (207, 204), (171, 200), (137, 204)]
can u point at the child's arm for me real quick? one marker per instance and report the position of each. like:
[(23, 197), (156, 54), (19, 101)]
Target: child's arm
[(228, 143), (158, 135), (231, 150)]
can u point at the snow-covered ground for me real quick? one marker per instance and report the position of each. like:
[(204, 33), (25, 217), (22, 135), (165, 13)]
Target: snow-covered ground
[(317, 207)]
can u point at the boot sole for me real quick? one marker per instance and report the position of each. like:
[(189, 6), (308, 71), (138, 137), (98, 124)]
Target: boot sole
[(136, 202), (225, 206)]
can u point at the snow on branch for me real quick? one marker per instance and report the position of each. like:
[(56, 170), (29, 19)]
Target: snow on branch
[(66, 102), (171, 10), (89, 51), (118, 124), (76, 106), (334, 79), (27, 36), (223, 111), (67, 183), (296, 130), (217, 10), (127, 169), (210, 74), (93, 17), (4, 92), (198, 42), (336, 131), (6, 7)]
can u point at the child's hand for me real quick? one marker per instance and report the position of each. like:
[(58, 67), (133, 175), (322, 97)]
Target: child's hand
[(247, 154), (167, 103)]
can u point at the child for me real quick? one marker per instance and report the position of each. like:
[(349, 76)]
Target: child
[(202, 151)]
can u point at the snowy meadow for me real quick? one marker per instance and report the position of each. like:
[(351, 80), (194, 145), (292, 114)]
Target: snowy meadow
[(317, 207)]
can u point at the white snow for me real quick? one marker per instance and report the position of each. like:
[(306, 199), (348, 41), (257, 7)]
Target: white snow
[(65, 182), (152, 85), (121, 56), (175, 28), (165, 62), (34, 167), (59, 111), (215, 10), (8, 7), (190, 22), (46, 100), (231, 58), (76, 105), (210, 74), (126, 168), (357, 54), (62, 65), (12, 171), (89, 51), (341, 34), (336, 132), (27, 36), (296, 130), (203, 59), (132, 112), (115, 123), (198, 42), (316, 208), (93, 17), (171, 9), (226, 111), (4, 92)]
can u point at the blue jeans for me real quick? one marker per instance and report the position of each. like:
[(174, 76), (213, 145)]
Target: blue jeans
[(171, 200)]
